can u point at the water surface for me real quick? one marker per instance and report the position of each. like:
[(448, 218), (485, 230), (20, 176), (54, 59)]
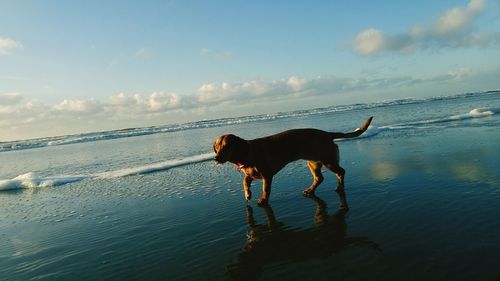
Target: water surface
[(422, 185)]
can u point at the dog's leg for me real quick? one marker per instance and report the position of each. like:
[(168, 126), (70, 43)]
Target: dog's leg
[(340, 172), (315, 168), (340, 175), (266, 190), (247, 181)]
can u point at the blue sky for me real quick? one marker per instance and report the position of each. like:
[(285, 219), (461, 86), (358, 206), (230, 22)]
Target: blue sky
[(79, 66)]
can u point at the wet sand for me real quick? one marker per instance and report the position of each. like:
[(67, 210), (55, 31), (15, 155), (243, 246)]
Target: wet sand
[(424, 207)]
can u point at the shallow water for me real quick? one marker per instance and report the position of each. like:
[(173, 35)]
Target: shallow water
[(423, 200)]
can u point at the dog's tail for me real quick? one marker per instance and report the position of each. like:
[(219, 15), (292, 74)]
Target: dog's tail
[(356, 133)]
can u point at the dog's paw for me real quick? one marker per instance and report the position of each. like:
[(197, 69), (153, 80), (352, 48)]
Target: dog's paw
[(262, 201), (343, 207), (308, 193)]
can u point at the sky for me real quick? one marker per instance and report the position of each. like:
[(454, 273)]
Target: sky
[(68, 67)]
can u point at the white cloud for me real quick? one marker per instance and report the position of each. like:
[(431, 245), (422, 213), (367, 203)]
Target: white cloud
[(369, 41), (296, 84), (227, 92), (144, 53), (205, 51), (159, 101), (460, 73), (217, 55), (89, 106), (7, 44), (156, 102), (211, 93), (120, 100), (223, 56), (8, 99), (260, 91), (458, 19), (454, 28)]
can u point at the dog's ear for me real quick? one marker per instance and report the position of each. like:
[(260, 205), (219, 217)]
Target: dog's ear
[(222, 149), (233, 142), (230, 139), (215, 144), (237, 146), (224, 142)]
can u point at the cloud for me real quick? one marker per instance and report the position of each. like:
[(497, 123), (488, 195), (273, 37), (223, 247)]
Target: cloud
[(296, 84), (369, 41), (159, 101), (90, 106), (454, 29), (458, 20), (213, 93), (460, 73), (156, 102), (205, 51), (7, 44), (8, 99), (217, 55), (293, 87), (144, 53)]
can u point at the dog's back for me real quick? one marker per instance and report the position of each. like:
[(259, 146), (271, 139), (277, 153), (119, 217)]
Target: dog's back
[(294, 144)]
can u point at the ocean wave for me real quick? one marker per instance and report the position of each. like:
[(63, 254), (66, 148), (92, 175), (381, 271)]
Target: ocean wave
[(134, 132), (32, 180), (155, 167), (476, 113), (428, 123)]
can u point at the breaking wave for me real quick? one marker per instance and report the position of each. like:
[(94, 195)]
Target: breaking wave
[(449, 121), (32, 180)]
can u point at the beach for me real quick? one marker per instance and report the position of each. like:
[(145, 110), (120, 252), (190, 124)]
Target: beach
[(422, 185)]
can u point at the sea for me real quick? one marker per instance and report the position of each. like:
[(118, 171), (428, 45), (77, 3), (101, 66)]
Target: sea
[(422, 184)]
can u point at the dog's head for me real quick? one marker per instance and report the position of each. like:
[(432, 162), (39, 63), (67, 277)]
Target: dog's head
[(229, 148)]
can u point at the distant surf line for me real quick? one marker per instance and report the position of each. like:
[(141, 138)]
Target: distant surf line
[(134, 132)]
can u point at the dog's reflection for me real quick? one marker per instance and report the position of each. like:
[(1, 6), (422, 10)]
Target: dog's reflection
[(274, 242)]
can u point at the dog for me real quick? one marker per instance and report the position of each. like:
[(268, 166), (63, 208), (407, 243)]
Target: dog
[(262, 158)]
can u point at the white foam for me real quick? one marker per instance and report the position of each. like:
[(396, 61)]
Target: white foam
[(155, 167), (475, 113), (32, 180), (429, 123)]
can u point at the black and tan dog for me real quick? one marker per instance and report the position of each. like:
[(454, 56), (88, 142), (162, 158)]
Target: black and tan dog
[(262, 158)]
